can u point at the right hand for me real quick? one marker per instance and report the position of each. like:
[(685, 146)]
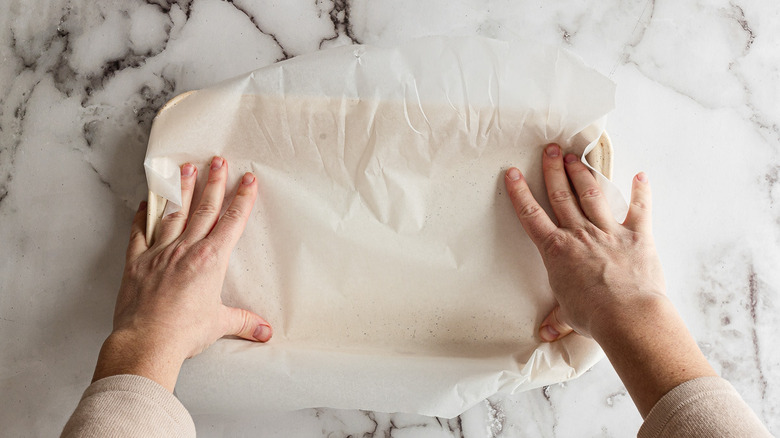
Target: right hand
[(596, 266)]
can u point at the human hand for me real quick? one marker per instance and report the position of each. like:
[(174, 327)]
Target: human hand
[(169, 306), (596, 266)]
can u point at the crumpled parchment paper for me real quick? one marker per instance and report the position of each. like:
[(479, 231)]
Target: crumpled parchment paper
[(383, 247)]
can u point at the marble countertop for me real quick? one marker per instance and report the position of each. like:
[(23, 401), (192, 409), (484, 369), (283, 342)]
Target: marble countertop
[(80, 81)]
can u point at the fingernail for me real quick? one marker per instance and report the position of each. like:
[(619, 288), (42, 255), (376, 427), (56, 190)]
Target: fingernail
[(247, 179), (216, 163), (513, 174), (570, 158), (553, 150), (187, 170), (548, 333), (641, 177), (142, 205), (262, 333)]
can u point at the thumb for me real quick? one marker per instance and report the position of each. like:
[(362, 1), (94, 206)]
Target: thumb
[(553, 327), (639, 217), (247, 325)]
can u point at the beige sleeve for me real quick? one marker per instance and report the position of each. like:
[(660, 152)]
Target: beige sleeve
[(129, 406), (703, 407)]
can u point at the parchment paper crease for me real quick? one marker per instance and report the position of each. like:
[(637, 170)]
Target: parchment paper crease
[(383, 247)]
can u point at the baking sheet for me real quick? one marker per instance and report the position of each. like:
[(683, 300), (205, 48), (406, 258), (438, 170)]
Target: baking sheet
[(383, 247)]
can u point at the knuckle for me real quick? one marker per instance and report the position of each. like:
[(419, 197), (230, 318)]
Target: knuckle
[(206, 209), (179, 251), (560, 196), (205, 254), (133, 270), (554, 244), (518, 192), (137, 234), (582, 234), (175, 217), (591, 193), (528, 210), (233, 214), (188, 183), (640, 204), (639, 239), (553, 164), (216, 177), (525, 205), (245, 322)]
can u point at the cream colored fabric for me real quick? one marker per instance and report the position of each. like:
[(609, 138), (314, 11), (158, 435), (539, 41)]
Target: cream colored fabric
[(134, 406), (703, 407), (129, 406)]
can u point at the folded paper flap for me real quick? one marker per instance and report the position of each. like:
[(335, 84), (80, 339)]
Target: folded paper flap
[(382, 227)]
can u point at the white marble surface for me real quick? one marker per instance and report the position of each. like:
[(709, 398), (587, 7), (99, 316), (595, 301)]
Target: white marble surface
[(697, 108)]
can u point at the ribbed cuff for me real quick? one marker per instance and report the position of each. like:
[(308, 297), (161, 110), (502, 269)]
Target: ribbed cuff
[(707, 406), (146, 388), (128, 406)]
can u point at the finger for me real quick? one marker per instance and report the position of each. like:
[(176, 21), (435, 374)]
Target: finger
[(553, 327), (137, 243), (558, 189), (207, 212), (172, 225), (232, 224), (639, 217), (592, 200), (247, 325), (532, 217)]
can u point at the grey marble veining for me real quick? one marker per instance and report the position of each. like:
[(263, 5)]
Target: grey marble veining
[(697, 108)]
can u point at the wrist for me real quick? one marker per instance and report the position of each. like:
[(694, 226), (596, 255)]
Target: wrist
[(650, 347), (127, 352), (629, 316)]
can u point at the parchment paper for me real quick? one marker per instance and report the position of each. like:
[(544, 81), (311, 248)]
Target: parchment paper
[(383, 248)]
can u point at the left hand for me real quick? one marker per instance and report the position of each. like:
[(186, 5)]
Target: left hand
[(169, 306)]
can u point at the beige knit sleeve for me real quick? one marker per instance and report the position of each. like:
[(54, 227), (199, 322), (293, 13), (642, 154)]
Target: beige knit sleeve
[(703, 407), (129, 406)]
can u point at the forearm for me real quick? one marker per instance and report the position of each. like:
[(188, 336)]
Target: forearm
[(125, 354), (650, 348)]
